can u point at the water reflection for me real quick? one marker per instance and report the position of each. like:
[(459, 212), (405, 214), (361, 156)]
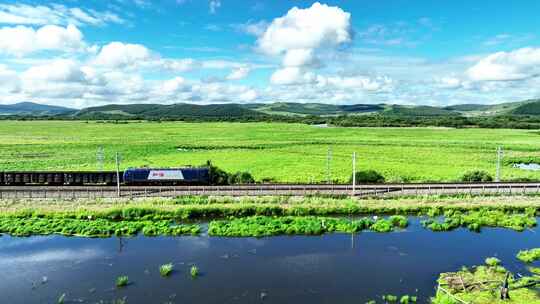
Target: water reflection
[(51, 256)]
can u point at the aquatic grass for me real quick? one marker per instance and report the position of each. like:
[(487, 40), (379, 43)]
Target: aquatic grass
[(61, 299), (474, 220), (260, 226), (122, 281), (194, 271), (120, 301), (389, 298), (529, 256), (492, 262), (166, 269), (407, 299), (92, 228), (534, 270)]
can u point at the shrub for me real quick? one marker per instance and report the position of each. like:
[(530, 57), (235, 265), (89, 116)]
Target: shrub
[(221, 177), (241, 178), (369, 177), (217, 176), (476, 176)]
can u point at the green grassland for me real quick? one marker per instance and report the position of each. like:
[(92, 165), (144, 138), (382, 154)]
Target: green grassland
[(278, 151)]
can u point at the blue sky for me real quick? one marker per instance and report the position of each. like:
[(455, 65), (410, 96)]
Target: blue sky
[(87, 53)]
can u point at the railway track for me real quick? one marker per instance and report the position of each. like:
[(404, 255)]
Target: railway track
[(73, 192)]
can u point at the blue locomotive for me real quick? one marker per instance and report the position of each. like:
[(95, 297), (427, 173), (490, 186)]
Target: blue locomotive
[(169, 176)]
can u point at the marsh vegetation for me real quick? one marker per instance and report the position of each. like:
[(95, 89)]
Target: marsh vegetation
[(259, 226), (28, 226), (475, 220), (529, 256), (482, 284), (263, 216)]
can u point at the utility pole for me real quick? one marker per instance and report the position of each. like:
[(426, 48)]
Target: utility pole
[(328, 170), (118, 174), (499, 158), (353, 174)]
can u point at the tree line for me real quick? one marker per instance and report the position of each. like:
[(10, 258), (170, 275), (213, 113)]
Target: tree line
[(358, 120)]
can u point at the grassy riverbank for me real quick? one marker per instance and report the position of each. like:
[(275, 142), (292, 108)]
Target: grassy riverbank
[(261, 216), (209, 207)]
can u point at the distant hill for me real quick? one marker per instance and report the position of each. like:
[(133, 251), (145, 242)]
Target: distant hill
[(528, 107), (418, 111), (279, 111), (507, 108), (531, 107), (175, 111), (30, 108), (319, 109), (468, 107)]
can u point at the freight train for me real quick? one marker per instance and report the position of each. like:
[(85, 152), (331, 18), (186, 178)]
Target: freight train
[(131, 176)]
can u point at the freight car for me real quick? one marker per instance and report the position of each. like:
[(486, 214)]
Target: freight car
[(58, 178), (132, 176)]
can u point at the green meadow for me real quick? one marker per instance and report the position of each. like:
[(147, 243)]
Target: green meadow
[(275, 151)]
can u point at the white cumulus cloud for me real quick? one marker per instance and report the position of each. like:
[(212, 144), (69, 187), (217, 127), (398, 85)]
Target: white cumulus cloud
[(239, 73), (21, 40), (310, 28), (291, 76), (173, 86), (122, 55), (449, 83), (361, 83), (507, 66), (297, 37), (62, 70), (9, 80), (299, 57)]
